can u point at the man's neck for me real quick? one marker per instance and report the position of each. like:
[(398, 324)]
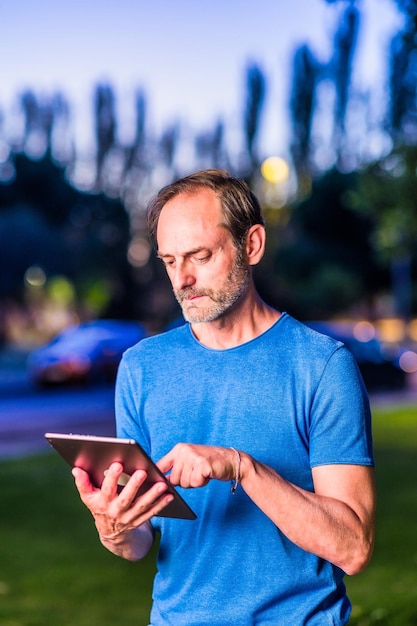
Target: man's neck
[(238, 326)]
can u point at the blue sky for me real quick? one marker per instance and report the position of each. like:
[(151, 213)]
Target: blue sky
[(188, 55)]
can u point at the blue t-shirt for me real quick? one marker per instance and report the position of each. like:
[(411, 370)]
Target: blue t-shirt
[(293, 399)]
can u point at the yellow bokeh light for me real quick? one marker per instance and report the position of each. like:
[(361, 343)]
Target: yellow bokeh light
[(391, 329), (275, 170), (412, 330)]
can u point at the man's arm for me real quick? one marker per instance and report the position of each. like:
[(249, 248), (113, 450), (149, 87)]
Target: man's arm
[(336, 522), (122, 519)]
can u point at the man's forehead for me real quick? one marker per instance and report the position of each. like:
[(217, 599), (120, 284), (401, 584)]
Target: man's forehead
[(191, 216), (193, 202), (189, 242), (185, 242)]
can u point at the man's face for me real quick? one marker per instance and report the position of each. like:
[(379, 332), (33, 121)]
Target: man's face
[(207, 273)]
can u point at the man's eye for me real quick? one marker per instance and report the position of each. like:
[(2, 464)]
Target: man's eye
[(202, 259)]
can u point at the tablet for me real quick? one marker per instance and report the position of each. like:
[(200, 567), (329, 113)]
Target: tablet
[(95, 455)]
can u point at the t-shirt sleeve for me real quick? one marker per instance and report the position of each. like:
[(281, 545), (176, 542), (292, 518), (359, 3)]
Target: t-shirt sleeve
[(340, 427), (127, 392)]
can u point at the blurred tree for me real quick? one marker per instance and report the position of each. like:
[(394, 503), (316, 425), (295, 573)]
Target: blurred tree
[(255, 96), (219, 151), (30, 108), (43, 119), (105, 126), (403, 76), (59, 142), (41, 185), (81, 236), (135, 153), (343, 51), (40, 244), (210, 147), (387, 187), (387, 192), (302, 101), (169, 143), (323, 263), (305, 98)]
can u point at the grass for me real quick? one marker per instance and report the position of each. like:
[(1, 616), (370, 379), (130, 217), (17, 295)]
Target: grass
[(52, 568), (54, 571), (386, 592)]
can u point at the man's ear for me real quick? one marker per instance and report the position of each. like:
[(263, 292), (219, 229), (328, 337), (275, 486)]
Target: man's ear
[(255, 244)]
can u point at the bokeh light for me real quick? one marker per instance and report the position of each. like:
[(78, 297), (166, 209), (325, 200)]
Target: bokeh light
[(391, 329), (139, 252), (35, 276), (408, 362), (364, 331), (275, 170)]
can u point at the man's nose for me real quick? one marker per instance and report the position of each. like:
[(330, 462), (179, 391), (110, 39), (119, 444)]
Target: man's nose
[(182, 276)]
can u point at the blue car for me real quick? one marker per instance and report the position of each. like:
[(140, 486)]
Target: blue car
[(84, 353)]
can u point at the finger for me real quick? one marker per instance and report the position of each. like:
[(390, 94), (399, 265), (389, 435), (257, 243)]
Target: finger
[(109, 487), (130, 490), (184, 475), (175, 476), (166, 463), (160, 505), (153, 494), (82, 482), (200, 477), (197, 472), (151, 502)]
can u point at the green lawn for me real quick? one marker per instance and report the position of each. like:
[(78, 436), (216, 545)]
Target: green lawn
[(386, 592), (53, 571)]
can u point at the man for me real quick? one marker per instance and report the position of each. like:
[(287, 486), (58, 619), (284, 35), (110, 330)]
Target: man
[(246, 394)]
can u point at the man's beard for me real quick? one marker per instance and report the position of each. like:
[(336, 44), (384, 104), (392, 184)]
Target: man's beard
[(221, 300)]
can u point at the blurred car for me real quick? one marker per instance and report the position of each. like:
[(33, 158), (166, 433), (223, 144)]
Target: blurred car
[(379, 365), (84, 353)]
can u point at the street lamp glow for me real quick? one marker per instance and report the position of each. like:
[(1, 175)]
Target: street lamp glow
[(275, 170)]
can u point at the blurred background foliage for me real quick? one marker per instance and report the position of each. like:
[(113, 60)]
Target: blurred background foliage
[(341, 209)]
